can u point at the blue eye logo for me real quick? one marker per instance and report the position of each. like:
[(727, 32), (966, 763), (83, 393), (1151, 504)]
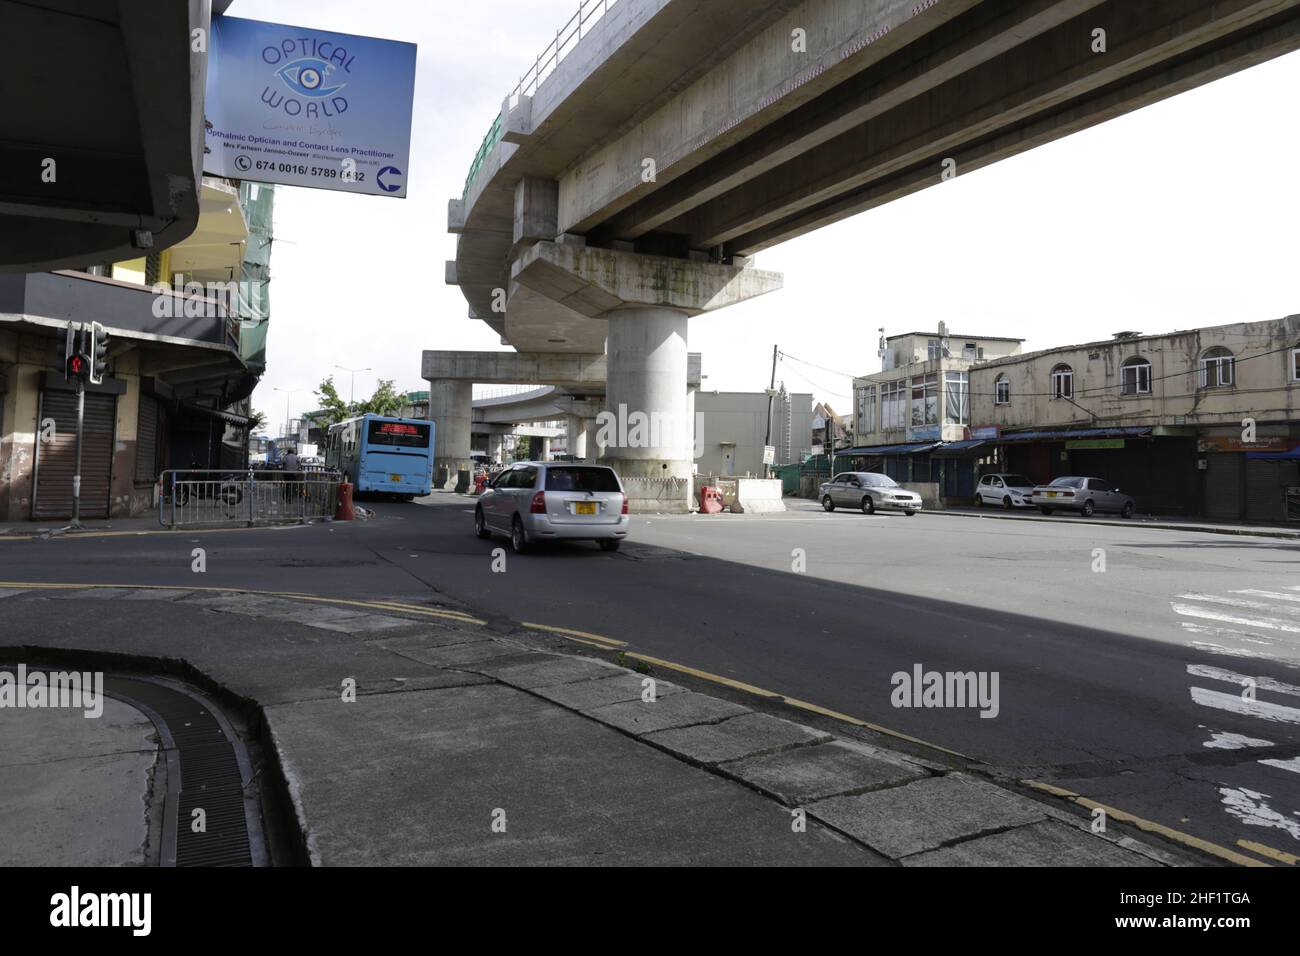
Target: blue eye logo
[(307, 77)]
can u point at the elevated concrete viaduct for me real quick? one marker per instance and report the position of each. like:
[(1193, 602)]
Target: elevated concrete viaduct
[(624, 186)]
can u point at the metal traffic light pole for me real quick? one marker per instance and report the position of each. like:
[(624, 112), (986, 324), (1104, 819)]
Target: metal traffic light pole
[(76, 475)]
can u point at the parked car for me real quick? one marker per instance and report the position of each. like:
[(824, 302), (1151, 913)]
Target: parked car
[(1009, 491), (870, 492), (1084, 495), (539, 501)]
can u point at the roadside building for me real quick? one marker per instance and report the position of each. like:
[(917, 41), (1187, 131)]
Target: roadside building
[(912, 420), (1199, 422), (731, 428), (187, 345)]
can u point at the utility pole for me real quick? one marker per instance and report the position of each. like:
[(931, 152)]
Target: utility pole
[(771, 394)]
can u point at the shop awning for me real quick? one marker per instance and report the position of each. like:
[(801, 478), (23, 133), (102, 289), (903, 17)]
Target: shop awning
[(909, 449), (960, 449), (1136, 431), (1292, 455), (228, 417)]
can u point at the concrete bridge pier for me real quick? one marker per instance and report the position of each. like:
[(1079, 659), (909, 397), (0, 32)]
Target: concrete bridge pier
[(451, 409), (646, 427)]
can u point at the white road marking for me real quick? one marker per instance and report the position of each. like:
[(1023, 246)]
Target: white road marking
[(1239, 602), (1225, 631), (1293, 764), (1274, 595), (1249, 807), (1262, 683), (1225, 741), (1271, 624), (1234, 704)]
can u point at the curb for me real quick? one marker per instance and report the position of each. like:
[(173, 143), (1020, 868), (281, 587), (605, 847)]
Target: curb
[(1146, 526)]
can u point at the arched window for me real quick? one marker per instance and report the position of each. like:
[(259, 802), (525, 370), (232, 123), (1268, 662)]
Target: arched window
[(1217, 368), (1002, 390), (1135, 376), (1062, 382)]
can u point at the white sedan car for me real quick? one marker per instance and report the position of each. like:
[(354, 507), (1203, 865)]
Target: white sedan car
[(1006, 491)]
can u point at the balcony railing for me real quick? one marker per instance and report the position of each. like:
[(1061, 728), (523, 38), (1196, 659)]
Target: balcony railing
[(589, 12)]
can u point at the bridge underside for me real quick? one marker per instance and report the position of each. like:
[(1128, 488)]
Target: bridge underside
[(609, 236)]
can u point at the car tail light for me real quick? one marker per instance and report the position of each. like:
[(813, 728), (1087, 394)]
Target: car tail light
[(538, 507), (1068, 494), (624, 503)]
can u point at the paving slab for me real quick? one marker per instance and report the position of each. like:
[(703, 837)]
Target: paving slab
[(11, 592), (156, 594), (1039, 844), (365, 624), (420, 778), (675, 710), (805, 774), (455, 655), (102, 594), (72, 789), (431, 635), (588, 694), (735, 738), (557, 670), (926, 814)]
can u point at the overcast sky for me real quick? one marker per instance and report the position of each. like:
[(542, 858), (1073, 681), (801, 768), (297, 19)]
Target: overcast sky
[(1179, 215)]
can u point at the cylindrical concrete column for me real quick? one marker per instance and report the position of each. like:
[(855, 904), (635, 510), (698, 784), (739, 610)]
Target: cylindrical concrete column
[(646, 424), (451, 408), (543, 449), (576, 428), (496, 447)]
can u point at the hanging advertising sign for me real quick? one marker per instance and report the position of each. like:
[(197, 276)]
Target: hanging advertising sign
[(302, 107)]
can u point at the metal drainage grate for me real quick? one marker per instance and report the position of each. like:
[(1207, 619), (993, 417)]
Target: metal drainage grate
[(207, 769)]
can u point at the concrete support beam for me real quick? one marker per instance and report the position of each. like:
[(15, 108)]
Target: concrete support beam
[(595, 282), (536, 211), (583, 371), (451, 409)]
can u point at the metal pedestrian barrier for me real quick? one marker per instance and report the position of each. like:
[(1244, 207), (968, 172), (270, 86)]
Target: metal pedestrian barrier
[(191, 497)]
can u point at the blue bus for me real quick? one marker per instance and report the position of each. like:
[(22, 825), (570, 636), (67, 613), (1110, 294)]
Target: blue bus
[(380, 455)]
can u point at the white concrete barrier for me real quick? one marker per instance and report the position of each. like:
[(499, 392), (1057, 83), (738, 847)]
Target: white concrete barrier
[(758, 496)]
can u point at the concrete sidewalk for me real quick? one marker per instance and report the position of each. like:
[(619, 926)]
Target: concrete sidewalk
[(469, 746)]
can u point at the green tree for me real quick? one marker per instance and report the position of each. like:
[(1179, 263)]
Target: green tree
[(256, 421), (386, 401), (333, 408)]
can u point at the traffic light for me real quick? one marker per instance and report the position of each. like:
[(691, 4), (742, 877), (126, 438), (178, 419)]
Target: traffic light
[(98, 353), (77, 367)]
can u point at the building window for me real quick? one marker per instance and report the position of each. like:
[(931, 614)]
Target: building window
[(893, 405), (1216, 368), (866, 410), (956, 398), (935, 350), (1295, 364), (925, 400), (1062, 382), (1002, 391), (1135, 377)]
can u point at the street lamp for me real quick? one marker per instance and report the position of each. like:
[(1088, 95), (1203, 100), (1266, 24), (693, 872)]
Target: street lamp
[(352, 388), (288, 396)]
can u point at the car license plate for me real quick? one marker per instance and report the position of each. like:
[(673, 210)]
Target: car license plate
[(394, 477), (1051, 494), (584, 508)]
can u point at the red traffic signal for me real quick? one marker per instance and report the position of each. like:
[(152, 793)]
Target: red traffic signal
[(78, 366)]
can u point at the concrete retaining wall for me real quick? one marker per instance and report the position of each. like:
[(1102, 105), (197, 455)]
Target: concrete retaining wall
[(929, 492), (658, 495)]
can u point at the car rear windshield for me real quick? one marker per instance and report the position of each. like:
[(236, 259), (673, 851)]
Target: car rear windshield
[(1067, 483), (581, 479)]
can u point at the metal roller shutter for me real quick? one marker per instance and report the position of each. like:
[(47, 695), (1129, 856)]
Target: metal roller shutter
[(146, 442), (1223, 487), (1266, 484), (56, 460)]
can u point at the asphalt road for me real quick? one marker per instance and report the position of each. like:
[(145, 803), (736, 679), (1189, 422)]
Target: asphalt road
[(1123, 684)]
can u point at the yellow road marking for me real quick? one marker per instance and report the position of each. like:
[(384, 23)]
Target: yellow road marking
[(1178, 836), (585, 637), (458, 616), (1290, 859), (793, 702)]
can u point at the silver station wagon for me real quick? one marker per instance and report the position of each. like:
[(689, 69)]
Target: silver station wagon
[(549, 501), (869, 492)]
